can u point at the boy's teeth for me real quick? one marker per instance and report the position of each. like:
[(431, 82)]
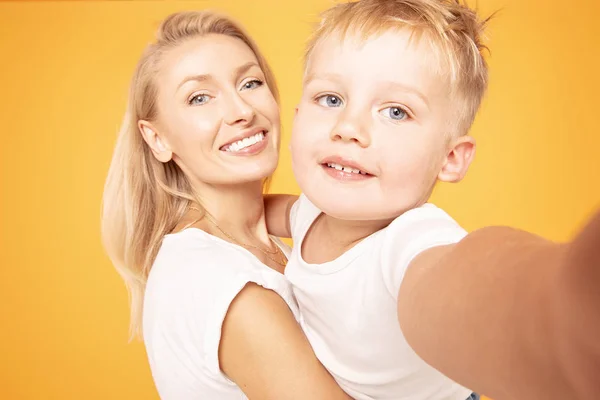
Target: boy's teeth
[(246, 142), (345, 169)]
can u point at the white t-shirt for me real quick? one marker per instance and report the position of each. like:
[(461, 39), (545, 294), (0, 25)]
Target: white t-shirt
[(349, 305), (192, 283)]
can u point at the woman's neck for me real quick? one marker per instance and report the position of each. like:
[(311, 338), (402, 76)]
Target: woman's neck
[(236, 209)]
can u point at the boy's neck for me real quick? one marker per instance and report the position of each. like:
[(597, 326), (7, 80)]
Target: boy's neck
[(346, 234)]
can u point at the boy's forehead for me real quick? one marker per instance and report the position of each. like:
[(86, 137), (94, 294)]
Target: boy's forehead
[(393, 54)]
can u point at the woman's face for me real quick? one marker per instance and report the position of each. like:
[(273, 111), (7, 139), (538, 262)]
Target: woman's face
[(217, 118)]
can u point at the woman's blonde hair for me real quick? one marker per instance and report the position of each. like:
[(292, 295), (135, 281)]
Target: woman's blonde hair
[(143, 198)]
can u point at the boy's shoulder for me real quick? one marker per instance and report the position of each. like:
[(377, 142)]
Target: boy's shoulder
[(303, 206), (302, 215), (415, 231), (425, 212), (420, 223)]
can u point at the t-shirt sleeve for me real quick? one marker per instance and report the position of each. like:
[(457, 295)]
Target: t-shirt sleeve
[(201, 286), (294, 215), (221, 296), (409, 235), (302, 215), (224, 290)]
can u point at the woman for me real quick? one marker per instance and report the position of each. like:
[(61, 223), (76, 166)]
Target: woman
[(184, 222)]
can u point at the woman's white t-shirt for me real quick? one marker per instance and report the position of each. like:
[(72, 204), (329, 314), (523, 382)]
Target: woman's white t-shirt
[(194, 279)]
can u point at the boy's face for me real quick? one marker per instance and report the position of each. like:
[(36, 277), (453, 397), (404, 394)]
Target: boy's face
[(377, 106)]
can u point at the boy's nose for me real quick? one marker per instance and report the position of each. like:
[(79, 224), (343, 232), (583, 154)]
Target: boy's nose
[(351, 130)]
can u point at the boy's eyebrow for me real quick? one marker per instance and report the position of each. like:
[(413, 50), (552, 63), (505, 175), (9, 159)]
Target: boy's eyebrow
[(330, 76), (405, 88)]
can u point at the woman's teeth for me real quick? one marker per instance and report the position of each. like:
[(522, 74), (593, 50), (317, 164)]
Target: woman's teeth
[(246, 142)]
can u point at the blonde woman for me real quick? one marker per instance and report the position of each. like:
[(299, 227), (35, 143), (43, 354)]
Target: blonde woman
[(184, 223)]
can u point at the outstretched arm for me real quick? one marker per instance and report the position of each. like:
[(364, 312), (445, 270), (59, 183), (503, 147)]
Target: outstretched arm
[(509, 314)]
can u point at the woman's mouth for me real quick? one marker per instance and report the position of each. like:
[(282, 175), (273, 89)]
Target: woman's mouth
[(248, 145)]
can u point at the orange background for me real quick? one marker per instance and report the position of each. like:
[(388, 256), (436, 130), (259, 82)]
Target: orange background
[(64, 72)]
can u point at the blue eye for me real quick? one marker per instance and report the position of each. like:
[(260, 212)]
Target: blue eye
[(199, 99), (329, 100), (253, 84), (395, 113)]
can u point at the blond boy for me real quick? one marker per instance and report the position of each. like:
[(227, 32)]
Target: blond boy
[(398, 301)]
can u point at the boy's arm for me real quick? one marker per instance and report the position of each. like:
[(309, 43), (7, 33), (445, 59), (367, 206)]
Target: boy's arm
[(509, 314), (277, 214)]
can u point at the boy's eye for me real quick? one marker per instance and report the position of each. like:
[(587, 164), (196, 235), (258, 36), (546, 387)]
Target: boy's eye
[(253, 84), (329, 100), (395, 113), (199, 99)]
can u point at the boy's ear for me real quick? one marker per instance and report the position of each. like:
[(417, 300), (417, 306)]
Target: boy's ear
[(157, 143), (458, 160)]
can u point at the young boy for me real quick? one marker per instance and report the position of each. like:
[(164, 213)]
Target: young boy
[(398, 301)]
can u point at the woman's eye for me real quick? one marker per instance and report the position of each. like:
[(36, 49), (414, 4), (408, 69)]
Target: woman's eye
[(329, 100), (199, 99), (253, 84), (395, 113)]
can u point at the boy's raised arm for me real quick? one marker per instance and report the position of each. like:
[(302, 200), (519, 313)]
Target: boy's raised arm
[(509, 314)]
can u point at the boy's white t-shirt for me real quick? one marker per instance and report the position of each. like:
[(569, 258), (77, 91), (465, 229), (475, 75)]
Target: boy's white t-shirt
[(193, 281), (348, 306)]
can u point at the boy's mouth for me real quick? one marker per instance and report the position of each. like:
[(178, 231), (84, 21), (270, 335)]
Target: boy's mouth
[(343, 169)]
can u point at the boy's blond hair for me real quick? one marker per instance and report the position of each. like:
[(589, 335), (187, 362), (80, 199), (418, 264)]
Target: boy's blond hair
[(453, 29)]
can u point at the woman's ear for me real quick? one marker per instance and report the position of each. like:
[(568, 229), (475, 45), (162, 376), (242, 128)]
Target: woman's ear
[(157, 143)]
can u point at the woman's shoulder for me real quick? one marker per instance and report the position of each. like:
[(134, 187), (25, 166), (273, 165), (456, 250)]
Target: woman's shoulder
[(193, 259), (190, 289), (194, 252), (196, 275)]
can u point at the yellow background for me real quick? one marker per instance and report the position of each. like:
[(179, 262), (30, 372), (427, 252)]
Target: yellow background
[(64, 72)]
